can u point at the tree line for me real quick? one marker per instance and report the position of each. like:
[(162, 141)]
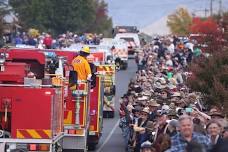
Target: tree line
[(59, 16)]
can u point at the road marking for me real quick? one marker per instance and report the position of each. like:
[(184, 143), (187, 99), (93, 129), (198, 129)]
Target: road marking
[(109, 136)]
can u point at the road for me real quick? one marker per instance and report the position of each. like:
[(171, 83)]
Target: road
[(112, 140)]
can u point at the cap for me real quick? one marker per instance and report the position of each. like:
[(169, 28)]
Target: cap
[(165, 108), (146, 144)]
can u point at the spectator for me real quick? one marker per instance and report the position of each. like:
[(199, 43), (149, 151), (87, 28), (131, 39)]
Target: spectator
[(186, 135), (18, 40), (214, 131), (146, 147), (48, 41), (153, 106), (225, 132)]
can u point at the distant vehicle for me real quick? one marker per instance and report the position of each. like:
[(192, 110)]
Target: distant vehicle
[(200, 40), (132, 40), (119, 51), (125, 29)]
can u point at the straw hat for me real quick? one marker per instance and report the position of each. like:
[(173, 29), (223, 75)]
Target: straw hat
[(153, 103), (146, 110)]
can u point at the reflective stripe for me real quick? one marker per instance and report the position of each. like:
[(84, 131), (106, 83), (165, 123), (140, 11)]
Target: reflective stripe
[(34, 134)]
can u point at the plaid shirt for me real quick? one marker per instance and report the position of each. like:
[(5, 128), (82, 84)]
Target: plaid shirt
[(178, 143)]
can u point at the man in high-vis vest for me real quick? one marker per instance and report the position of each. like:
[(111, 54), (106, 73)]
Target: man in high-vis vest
[(81, 65)]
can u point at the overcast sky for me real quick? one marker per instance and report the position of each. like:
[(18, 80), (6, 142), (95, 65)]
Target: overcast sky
[(144, 12)]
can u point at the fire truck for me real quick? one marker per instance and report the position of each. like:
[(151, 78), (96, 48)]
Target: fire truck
[(39, 110), (109, 89), (125, 29), (31, 105), (107, 70), (130, 35), (133, 41), (117, 51)]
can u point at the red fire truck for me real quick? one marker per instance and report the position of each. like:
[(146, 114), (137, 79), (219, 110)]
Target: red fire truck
[(109, 89), (39, 112), (31, 114), (108, 72)]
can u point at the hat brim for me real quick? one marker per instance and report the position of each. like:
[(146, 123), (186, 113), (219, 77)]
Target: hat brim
[(217, 114), (147, 112), (146, 146), (154, 105)]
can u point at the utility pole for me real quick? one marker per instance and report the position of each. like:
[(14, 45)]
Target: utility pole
[(220, 7), (211, 7)]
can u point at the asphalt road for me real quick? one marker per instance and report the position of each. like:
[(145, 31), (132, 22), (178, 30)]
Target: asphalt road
[(112, 140)]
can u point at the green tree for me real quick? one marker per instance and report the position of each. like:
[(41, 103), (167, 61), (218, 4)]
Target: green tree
[(58, 16), (103, 23), (179, 22)]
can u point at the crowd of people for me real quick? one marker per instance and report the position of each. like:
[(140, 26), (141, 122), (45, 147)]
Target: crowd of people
[(159, 113), (46, 41)]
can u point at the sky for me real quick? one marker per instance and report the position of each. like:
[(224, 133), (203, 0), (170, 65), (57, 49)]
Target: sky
[(142, 13)]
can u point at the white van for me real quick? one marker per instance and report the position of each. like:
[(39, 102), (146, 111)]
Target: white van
[(132, 39)]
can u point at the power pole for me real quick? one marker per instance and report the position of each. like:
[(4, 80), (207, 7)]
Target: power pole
[(220, 7), (211, 7)]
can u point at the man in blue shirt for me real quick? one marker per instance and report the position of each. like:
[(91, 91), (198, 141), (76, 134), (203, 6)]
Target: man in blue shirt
[(186, 135)]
